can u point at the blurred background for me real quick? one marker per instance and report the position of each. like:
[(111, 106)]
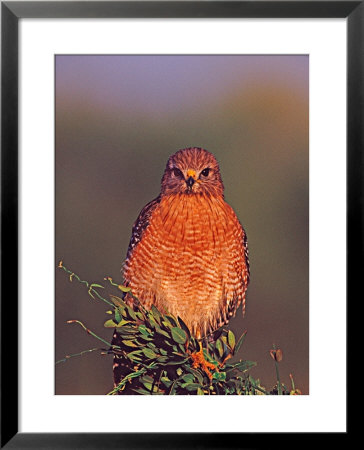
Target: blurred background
[(118, 118)]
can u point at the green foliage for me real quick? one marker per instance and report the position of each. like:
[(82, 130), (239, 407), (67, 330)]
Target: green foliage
[(157, 353), (159, 347)]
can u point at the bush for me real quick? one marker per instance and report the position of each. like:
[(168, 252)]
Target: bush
[(155, 352)]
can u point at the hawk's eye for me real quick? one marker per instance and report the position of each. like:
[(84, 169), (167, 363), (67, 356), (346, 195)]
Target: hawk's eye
[(205, 172), (177, 173)]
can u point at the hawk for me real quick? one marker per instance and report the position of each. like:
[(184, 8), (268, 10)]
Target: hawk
[(188, 252)]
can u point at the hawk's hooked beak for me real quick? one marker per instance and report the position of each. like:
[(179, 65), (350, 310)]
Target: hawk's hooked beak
[(191, 178), (190, 181)]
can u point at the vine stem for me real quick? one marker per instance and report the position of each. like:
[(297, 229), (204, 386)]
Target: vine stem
[(125, 379), (90, 286), (67, 357), (279, 386), (88, 331)]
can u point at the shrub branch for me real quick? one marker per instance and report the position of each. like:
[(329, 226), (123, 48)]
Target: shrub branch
[(155, 352)]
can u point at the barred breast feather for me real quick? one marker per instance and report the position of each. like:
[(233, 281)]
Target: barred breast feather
[(188, 256)]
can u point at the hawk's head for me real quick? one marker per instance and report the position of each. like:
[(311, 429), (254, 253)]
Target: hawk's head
[(192, 171)]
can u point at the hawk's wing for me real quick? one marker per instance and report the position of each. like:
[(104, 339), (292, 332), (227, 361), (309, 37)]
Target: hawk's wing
[(141, 224), (121, 366), (246, 254), (230, 306)]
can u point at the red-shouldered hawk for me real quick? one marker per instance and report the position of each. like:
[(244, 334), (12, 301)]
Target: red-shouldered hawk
[(188, 252)]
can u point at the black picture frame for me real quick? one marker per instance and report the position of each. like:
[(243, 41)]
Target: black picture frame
[(11, 12)]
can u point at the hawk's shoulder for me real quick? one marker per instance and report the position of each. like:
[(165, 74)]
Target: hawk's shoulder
[(141, 224)]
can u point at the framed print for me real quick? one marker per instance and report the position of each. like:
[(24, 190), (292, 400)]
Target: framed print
[(251, 114), (204, 93)]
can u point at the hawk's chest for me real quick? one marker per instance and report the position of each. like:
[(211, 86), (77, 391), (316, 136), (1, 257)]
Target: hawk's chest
[(190, 224)]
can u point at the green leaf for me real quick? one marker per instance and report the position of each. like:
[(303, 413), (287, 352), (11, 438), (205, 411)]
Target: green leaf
[(152, 322), (188, 378), (179, 335), (125, 336), (142, 391), (127, 329), (176, 362), (147, 379), (220, 376), (144, 330), (131, 312), (117, 315), (219, 347), (148, 386), (135, 355), (139, 315), (123, 312), (241, 365), (122, 323), (182, 348), (149, 353), (171, 320), (162, 359), (145, 338), (231, 339), (156, 314), (110, 324), (167, 324), (191, 386), (240, 342), (196, 374), (93, 285), (129, 343), (184, 327), (160, 331), (166, 381), (200, 391), (152, 365), (117, 301), (124, 288)]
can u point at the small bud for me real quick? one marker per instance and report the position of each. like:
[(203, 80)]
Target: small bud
[(292, 382), (295, 392), (60, 264), (277, 355)]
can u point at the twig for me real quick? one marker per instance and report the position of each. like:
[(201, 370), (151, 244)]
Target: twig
[(67, 357)]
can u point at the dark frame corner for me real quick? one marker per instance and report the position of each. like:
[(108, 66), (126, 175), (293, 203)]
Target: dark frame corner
[(11, 12)]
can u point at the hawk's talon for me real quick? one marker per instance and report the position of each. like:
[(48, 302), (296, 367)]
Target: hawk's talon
[(200, 361)]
